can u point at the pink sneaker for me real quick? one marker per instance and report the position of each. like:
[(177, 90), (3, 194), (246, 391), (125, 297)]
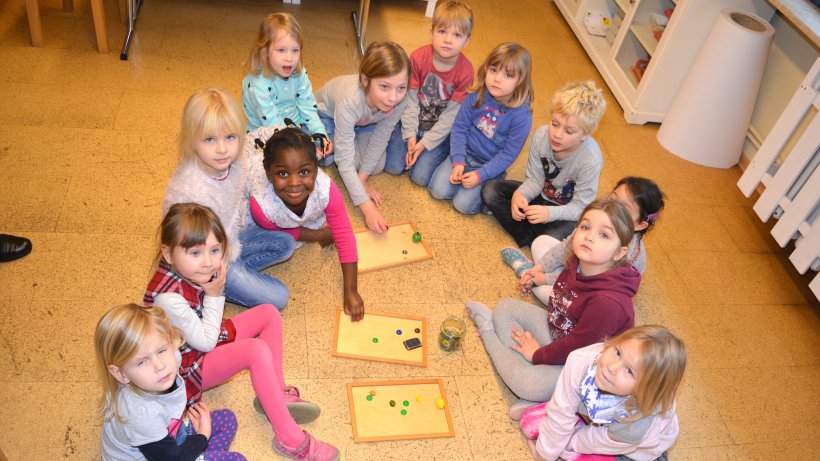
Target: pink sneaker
[(310, 450), (301, 411)]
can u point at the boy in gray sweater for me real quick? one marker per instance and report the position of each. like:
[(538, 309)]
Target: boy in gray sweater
[(562, 171)]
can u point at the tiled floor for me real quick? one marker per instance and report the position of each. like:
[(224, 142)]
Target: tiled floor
[(87, 144)]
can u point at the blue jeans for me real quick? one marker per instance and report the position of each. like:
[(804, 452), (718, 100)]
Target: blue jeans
[(467, 201), (330, 129), (261, 248), (426, 163)]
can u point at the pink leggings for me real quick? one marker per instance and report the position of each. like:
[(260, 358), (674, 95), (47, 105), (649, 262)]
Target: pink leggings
[(258, 348)]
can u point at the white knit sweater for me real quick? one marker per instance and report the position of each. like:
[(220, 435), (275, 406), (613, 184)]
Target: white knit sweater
[(226, 197)]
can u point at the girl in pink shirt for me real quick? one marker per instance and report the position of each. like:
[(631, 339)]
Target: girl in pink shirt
[(288, 192)]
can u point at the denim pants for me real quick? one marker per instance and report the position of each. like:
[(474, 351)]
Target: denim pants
[(330, 129), (426, 163), (467, 201), (497, 195), (261, 248)]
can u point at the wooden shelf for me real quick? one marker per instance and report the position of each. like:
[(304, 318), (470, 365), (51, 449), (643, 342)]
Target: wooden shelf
[(624, 5), (669, 58), (643, 32)]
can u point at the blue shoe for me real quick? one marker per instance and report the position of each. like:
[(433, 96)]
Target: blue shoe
[(514, 258)]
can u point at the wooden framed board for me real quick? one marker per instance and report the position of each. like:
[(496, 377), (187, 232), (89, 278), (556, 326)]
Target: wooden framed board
[(393, 248), (376, 337), (376, 420)]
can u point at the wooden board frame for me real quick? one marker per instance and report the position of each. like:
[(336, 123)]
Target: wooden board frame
[(423, 336), (411, 436), (410, 259)]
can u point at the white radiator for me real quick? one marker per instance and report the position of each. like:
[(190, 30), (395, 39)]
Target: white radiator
[(792, 191)]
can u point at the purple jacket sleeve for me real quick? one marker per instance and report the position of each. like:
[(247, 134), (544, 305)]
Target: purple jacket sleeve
[(461, 125)]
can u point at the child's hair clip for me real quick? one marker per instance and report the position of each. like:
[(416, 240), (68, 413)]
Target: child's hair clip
[(652, 217)]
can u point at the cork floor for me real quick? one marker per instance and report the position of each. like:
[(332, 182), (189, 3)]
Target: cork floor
[(87, 145)]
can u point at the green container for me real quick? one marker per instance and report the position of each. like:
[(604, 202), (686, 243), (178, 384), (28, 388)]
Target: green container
[(451, 332)]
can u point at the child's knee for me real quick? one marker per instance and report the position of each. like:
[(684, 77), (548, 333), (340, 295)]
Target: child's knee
[(269, 314), (468, 207), (489, 191)]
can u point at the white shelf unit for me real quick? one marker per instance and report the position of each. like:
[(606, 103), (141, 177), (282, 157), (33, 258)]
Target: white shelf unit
[(669, 58)]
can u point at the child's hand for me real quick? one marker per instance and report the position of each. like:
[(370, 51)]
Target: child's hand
[(470, 180), (325, 237), (200, 417), (374, 195), (328, 148), (455, 175), (217, 285), (413, 152), (518, 204), (354, 305), (374, 220), (527, 345), (531, 278), (537, 214), (525, 283)]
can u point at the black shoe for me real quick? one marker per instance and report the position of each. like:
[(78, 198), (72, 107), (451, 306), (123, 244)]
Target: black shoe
[(12, 247)]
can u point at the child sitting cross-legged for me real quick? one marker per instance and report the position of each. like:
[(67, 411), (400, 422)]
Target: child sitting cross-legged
[(562, 170), (591, 300), (641, 197)]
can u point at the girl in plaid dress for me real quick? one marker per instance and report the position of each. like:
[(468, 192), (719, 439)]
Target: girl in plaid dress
[(189, 284)]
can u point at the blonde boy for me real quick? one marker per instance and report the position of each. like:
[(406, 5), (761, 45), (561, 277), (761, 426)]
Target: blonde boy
[(562, 171), (440, 77)]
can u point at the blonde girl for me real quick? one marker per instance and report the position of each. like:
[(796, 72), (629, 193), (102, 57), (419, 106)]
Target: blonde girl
[(213, 172), (360, 112), (591, 300), (277, 87), (189, 284), (489, 130), (624, 390), (143, 401)]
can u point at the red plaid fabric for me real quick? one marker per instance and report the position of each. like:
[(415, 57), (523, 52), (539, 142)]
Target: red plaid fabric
[(165, 280)]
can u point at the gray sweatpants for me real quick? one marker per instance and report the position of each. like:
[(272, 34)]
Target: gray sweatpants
[(527, 381)]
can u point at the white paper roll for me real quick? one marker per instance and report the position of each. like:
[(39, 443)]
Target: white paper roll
[(709, 116)]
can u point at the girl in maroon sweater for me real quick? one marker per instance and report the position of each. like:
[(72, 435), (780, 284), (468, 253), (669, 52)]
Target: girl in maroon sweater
[(591, 300)]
